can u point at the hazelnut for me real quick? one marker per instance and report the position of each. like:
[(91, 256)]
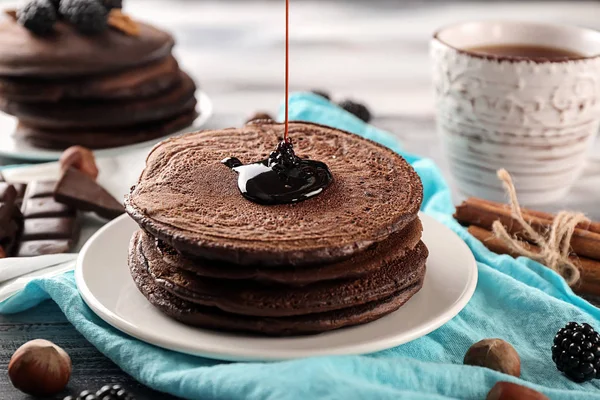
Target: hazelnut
[(40, 368), (512, 391), (494, 354), (79, 158), (260, 116), (12, 13)]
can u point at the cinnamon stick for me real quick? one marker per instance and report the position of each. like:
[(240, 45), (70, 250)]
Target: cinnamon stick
[(590, 269), (585, 241), (588, 226)]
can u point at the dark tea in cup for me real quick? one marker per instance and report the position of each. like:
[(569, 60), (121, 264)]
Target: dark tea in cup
[(525, 51)]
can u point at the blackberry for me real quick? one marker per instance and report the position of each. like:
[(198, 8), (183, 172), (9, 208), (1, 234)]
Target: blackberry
[(321, 93), (110, 4), (105, 390), (38, 16), (86, 395), (358, 109), (123, 395), (114, 392), (88, 16), (576, 352), (260, 116)]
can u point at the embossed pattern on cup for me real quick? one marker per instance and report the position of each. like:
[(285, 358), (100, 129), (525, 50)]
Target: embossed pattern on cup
[(537, 119)]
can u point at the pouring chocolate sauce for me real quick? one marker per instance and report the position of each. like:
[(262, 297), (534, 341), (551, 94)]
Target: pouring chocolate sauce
[(282, 178)]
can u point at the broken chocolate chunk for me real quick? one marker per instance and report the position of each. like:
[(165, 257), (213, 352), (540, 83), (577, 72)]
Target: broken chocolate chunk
[(78, 190), (20, 188), (48, 227), (8, 193)]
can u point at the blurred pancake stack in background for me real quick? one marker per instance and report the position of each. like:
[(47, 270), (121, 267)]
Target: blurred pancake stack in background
[(90, 76)]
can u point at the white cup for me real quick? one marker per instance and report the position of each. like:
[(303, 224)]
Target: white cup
[(537, 118)]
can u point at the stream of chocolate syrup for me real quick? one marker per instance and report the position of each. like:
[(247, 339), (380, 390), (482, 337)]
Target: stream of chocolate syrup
[(286, 134), (282, 178)]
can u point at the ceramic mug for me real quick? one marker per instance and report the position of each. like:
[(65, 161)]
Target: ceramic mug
[(537, 118)]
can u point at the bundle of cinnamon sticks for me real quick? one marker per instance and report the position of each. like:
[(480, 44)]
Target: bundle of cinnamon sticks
[(479, 215)]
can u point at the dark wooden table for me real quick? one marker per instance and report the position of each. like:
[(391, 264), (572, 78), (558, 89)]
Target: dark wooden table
[(374, 51), (91, 370)]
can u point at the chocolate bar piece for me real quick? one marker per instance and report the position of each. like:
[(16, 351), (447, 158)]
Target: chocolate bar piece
[(80, 191), (10, 218), (8, 195), (6, 213), (40, 189), (44, 227), (43, 207), (50, 228), (9, 237), (32, 248)]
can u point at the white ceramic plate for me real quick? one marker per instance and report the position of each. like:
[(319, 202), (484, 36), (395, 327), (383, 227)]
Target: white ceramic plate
[(105, 284), (11, 146)]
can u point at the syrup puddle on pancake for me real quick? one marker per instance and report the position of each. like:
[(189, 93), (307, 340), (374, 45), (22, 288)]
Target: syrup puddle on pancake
[(282, 178)]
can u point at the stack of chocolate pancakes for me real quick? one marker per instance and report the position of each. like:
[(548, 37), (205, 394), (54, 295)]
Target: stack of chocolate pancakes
[(99, 91), (208, 257)]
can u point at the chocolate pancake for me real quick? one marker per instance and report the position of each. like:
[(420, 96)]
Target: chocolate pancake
[(102, 114), (388, 252), (251, 298), (141, 81), (66, 52), (214, 318), (104, 138), (188, 199)]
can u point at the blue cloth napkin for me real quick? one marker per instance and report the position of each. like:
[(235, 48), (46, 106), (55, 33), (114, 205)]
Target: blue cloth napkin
[(519, 301)]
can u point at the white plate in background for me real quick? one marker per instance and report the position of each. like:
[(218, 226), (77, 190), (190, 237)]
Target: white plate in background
[(13, 147)]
